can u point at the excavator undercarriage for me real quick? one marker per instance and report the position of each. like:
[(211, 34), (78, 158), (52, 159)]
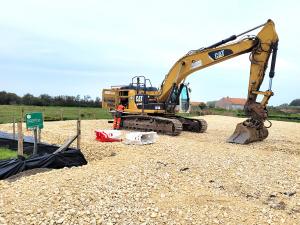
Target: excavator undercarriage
[(170, 125)]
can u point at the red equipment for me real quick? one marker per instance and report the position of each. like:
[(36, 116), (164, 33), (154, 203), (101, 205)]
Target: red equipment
[(118, 116)]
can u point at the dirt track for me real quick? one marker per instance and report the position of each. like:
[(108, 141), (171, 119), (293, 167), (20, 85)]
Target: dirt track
[(189, 179)]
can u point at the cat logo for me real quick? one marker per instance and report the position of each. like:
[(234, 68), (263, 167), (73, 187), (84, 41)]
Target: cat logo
[(214, 55)]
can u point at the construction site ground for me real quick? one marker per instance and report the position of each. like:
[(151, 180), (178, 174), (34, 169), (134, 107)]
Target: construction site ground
[(188, 179)]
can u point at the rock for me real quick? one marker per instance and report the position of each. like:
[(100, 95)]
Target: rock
[(153, 215), (60, 220), (290, 193), (281, 205), (50, 214)]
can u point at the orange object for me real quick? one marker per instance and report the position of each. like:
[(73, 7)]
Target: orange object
[(118, 116), (117, 122), (120, 108)]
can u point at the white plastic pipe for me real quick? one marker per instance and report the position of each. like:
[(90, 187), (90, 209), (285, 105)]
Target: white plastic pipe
[(140, 138)]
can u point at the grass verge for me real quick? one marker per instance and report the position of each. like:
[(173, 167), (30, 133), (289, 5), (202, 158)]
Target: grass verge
[(6, 153), (52, 113)]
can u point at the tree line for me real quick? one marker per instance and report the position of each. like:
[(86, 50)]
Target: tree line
[(7, 98), (295, 102)]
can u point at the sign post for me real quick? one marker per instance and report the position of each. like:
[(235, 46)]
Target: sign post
[(35, 122), (35, 147)]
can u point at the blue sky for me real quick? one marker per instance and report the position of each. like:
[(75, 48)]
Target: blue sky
[(79, 47)]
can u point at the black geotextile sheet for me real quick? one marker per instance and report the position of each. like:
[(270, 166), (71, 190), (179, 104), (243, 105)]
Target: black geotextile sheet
[(45, 158), (68, 158)]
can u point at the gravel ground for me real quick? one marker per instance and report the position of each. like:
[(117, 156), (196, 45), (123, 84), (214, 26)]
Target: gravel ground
[(189, 179)]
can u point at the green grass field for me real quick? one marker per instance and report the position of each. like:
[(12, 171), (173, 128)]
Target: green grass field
[(274, 114), (7, 154), (56, 113), (52, 113)]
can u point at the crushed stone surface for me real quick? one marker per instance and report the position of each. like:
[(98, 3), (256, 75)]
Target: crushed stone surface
[(189, 179)]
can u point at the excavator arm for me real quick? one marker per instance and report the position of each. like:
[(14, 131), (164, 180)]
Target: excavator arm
[(260, 48), (199, 59)]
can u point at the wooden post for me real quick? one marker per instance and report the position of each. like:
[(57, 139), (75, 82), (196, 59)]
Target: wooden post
[(22, 115), (35, 147), (78, 133), (14, 127), (39, 135), (20, 139), (61, 114), (66, 144)]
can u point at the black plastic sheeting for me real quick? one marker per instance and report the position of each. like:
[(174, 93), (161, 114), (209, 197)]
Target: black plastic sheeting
[(7, 141), (11, 136), (58, 160), (45, 158)]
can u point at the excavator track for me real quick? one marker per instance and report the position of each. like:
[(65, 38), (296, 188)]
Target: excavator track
[(169, 126), (192, 125)]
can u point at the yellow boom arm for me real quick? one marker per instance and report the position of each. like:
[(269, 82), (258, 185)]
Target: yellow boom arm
[(260, 46)]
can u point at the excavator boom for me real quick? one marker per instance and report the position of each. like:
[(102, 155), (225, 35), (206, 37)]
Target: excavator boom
[(261, 47)]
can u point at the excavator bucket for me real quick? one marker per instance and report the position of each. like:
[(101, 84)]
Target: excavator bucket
[(245, 135)]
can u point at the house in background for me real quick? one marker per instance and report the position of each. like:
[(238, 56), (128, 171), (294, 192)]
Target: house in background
[(231, 103)]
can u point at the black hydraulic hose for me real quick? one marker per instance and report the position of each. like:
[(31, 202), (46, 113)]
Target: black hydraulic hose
[(273, 61), (233, 37)]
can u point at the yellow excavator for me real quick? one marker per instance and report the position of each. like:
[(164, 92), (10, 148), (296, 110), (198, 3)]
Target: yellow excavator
[(150, 109)]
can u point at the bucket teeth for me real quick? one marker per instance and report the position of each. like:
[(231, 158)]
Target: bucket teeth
[(245, 135)]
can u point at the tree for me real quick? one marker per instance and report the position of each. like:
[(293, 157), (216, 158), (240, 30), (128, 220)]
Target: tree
[(211, 104), (295, 102), (46, 99), (2, 97), (28, 99), (98, 102), (202, 105), (284, 105), (7, 98)]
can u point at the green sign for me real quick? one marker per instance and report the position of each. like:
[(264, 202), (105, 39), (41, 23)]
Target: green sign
[(34, 120)]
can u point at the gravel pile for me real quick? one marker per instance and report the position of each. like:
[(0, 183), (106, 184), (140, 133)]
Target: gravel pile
[(189, 179)]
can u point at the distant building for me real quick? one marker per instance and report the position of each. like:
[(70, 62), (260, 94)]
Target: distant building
[(231, 103)]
